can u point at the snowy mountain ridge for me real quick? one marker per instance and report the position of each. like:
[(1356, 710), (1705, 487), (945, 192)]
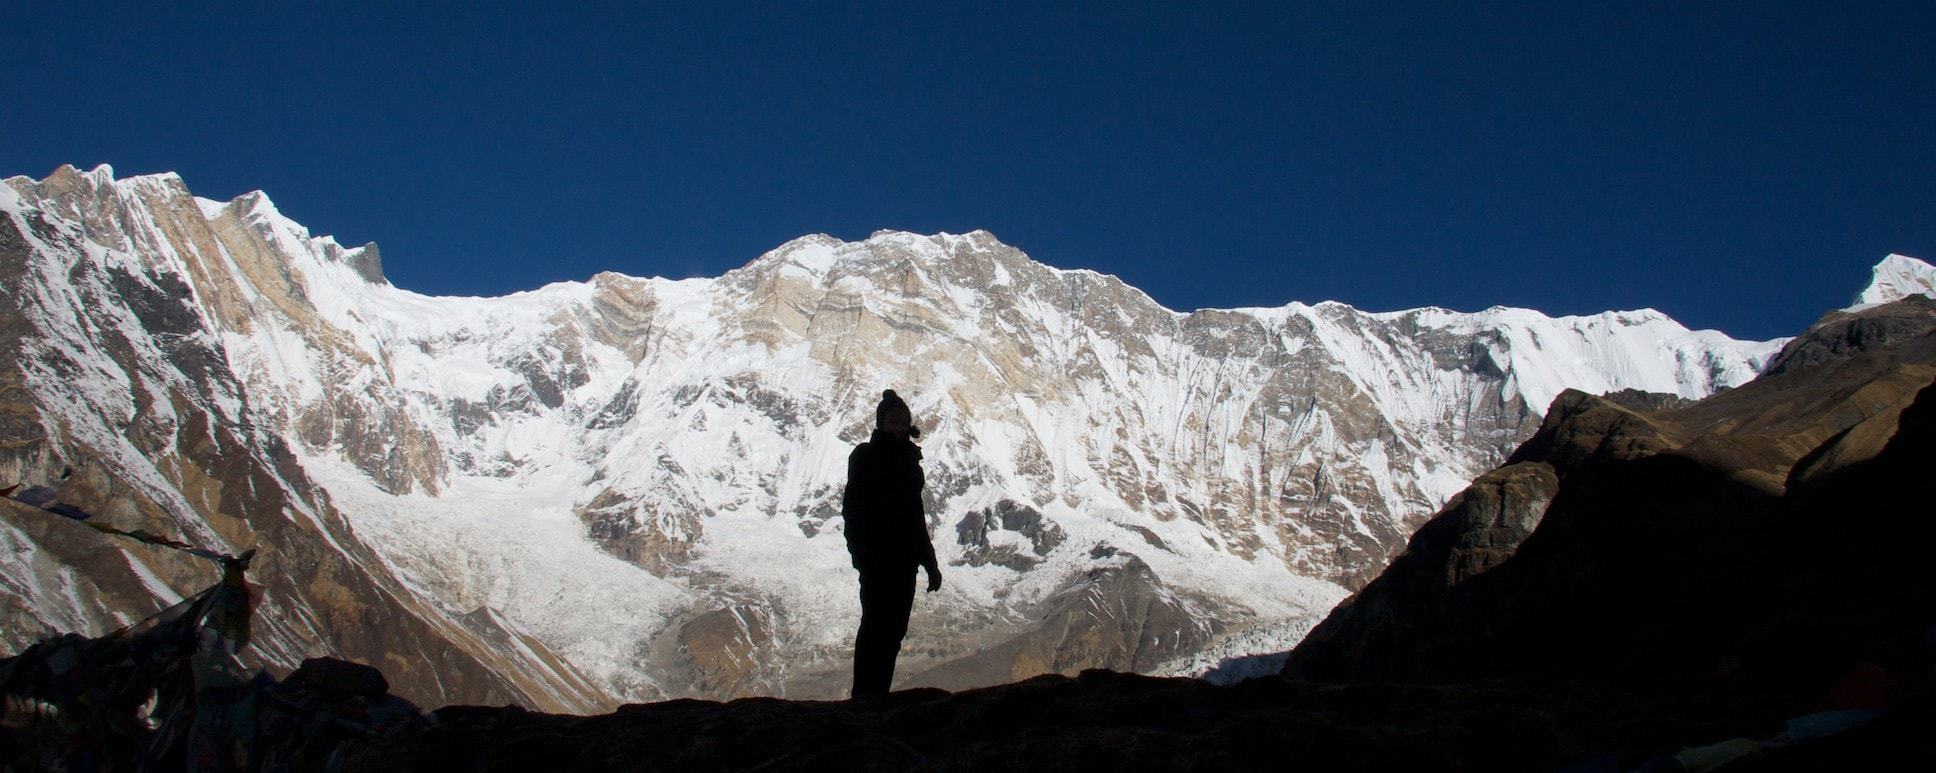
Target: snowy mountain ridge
[(642, 475)]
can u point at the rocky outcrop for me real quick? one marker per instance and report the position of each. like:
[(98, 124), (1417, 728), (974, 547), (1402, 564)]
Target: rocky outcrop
[(1007, 534), (1119, 615), (728, 649), (1379, 633), (1841, 334), (1766, 533)]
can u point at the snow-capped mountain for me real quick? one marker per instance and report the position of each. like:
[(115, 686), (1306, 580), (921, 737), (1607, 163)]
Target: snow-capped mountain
[(1895, 278), (628, 488)]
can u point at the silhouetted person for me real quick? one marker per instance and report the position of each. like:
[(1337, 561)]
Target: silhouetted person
[(887, 534)]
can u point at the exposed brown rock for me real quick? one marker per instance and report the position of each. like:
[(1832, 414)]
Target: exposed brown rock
[(1122, 616), (728, 646), (1841, 335)]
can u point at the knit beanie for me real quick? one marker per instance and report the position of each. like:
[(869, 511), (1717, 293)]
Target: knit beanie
[(889, 401)]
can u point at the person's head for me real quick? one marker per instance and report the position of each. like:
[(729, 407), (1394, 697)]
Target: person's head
[(892, 415)]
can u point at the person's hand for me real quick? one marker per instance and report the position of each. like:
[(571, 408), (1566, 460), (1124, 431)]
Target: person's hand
[(934, 578)]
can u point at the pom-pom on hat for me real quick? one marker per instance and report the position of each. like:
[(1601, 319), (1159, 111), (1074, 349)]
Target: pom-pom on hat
[(893, 402), (889, 401)]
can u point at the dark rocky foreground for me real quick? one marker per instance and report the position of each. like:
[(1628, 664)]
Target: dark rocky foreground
[(1737, 584), (332, 715), (1098, 720)]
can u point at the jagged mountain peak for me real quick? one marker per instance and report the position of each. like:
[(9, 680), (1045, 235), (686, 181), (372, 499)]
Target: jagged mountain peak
[(936, 244), (256, 210), (957, 278), (1897, 277), (67, 178), (979, 261), (820, 253), (101, 174), (104, 203)]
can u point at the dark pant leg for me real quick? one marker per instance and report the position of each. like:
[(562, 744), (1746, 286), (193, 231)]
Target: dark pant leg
[(886, 598)]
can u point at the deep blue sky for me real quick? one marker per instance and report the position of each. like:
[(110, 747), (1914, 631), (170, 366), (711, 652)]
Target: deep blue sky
[(1736, 165)]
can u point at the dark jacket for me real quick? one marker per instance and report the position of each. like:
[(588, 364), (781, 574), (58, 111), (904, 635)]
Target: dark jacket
[(886, 527)]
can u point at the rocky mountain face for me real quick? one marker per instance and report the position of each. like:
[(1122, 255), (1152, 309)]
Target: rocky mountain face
[(118, 389), (1771, 535), (628, 488)]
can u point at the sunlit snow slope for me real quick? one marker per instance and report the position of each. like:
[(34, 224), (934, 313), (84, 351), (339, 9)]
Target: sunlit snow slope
[(1898, 277)]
